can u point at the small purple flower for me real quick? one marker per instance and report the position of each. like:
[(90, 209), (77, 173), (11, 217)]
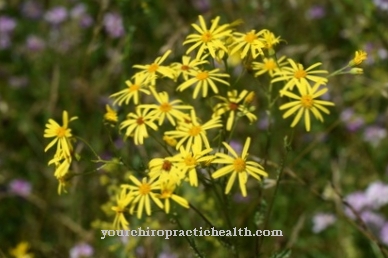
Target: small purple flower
[(382, 4), (81, 250), (56, 15), (20, 187), (358, 201), (384, 234), (7, 24), (373, 220), (236, 146), (201, 5), (351, 121), (31, 9), (113, 25), (166, 254), (374, 135), (322, 220), (34, 43), (382, 53), (86, 21), (18, 82), (77, 11), (5, 41), (377, 194), (315, 12)]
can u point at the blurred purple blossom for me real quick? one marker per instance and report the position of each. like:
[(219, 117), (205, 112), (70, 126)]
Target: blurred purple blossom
[(374, 135), (322, 220), (56, 15), (81, 250), (32, 9), (238, 198), (167, 254), (377, 194), (384, 234), (373, 220), (236, 146), (77, 11), (7, 24), (201, 5), (382, 53), (86, 21), (351, 120), (381, 4), (315, 12), (358, 201), (113, 25), (5, 41), (20, 187), (35, 43), (18, 82)]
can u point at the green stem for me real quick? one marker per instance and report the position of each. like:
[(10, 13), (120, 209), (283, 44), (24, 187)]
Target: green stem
[(190, 240)]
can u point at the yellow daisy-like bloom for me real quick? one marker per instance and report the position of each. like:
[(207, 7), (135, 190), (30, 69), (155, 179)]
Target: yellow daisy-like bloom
[(269, 65), (167, 193), (170, 141), (132, 91), (359, 57), (137, 123), (110, 115), (238, 166), (297, 75), (233, 105), (122, 201), (247, 42), (305, 103), (62, 165), (187, 66), (21, 251), (202, 81), (142, 193), (166, 109), (269, 39), (151, 71), (164, 170), (193, 132), (62, 134), (209, 40), (188, 159)]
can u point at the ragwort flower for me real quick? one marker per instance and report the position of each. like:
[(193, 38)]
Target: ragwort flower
[(187, 66), (237, 165), (269, 65), (122, 201), (305, 103), (132, 91), (247, 43), (359, 57), (167, 193)]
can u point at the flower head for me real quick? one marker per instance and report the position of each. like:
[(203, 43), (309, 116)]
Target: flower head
[(238, 166), (187, 66), (167, 192), (359, 57), (132, 91), (110, 115), (122, 201), (21, 251), (305, 103), (247, 43), (269, 65)]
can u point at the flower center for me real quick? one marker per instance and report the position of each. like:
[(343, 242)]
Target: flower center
[(166, 166), (239, 165), (144, 189), (270, 65), (140, 121), (233, 106), (300, 74), (202, 76), (134, 87), (61, 132), (307, 101), (165, 107), (250, 37), (118, 209), (166, 194), (153, 68), (195, 130), (185, 67), (206, 37), (190, 160)]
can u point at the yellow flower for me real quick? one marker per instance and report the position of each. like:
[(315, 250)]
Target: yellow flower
[(269, 65), (193, 132), (209, 40), (164, 170), (122, 201), (21, 251), (142, 193), (232, 105), (305, 103), (356, 70), (187, 66), (167, 193), (359, 57), (237, 165), (269, 39), (202, 81), (110, 115), (247, 42), (297, 75), (166, 109), (62, 134), (170, 141), (137, 124), (188, 159), (151, 71), (132, 91)]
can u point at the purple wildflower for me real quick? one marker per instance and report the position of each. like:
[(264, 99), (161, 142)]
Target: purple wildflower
[(81, 250), (20, 187), (18, 82), (384, 234), (377, 194), (56, 15), (201, 5), (381, 4), (34, 43), (113, 25), (31, 9), (358, 201), (5, 41), (322, 220), (351, 121), (374, 135), (7, 24), (315, 12)]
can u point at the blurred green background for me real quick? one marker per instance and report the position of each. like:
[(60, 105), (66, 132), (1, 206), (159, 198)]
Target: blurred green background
[(71, 55)]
